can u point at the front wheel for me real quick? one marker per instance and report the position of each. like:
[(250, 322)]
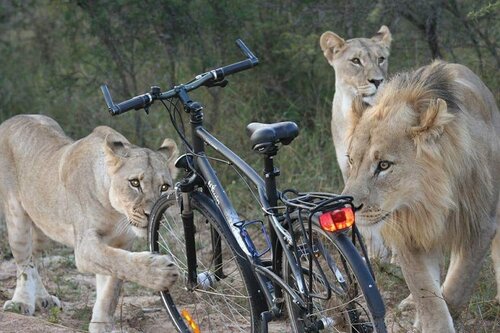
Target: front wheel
[(353, 304), (225, 297)]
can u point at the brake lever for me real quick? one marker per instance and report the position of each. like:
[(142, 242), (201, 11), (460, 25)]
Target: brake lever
[(221, 83)]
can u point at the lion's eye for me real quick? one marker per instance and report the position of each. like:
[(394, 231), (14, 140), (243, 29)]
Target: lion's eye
[(356, 61), (135, 183), (383, 165), (381, 60), (164, 188)]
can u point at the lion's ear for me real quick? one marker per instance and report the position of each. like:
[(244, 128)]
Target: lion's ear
[(383, 36), (330, 44), (115, 150), (432, 121), (169, 150)]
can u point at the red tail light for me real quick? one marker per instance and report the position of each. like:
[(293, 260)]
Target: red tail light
[(337, 220)]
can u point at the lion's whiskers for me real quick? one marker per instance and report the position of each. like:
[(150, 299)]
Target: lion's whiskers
[(391, 222), (122, 227)]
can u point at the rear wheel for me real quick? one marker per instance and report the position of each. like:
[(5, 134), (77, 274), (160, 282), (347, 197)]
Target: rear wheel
[(225, 297), (354, 305)]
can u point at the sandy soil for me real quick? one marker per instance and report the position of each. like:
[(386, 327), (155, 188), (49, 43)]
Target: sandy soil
[(139, 310)]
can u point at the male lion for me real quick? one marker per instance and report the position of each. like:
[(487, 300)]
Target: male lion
[(94, 194), (360, 66), (425, 164)]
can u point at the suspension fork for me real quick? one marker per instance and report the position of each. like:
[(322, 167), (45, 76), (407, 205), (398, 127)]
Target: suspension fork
[(189, 234), (187, 217)]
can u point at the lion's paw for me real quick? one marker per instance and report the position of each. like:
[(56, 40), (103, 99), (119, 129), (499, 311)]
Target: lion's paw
[(159, 272), (19, 307), (43, 303), (163, 272), (101, 327)]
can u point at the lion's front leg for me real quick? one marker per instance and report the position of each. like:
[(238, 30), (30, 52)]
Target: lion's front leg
[(464, 269), (149, 270), (421, 272), (107, 295)]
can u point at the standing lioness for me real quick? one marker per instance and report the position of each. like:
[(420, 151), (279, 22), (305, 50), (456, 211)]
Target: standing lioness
[(360, 66), (94, 194)]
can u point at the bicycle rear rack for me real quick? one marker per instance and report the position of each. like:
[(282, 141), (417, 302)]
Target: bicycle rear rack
[(320, 202), (315, 201)]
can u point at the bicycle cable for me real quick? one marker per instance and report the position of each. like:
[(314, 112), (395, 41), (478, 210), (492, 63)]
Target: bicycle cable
[(173, 120)]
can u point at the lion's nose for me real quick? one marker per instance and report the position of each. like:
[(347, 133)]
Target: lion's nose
[(147, 213), (358, 198), (357, 203), (376, 82)]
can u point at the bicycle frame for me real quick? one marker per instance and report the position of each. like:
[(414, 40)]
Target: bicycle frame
[(212, 184)]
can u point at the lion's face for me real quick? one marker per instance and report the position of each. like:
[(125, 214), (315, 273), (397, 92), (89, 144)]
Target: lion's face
[(394, 159), (138, 177), (385, 172), (360, 63)]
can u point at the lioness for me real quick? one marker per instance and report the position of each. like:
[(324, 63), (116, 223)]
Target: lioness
[(94, 194), (360, 66), (424, 161)]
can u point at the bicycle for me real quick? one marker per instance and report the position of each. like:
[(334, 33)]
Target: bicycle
[(306, 272)]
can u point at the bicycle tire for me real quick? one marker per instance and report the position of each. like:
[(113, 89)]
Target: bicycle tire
[(233, 303), (356, 306)]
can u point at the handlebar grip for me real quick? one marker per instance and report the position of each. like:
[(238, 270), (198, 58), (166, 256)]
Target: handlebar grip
[(237, 67), (136, 103), (250, 62)]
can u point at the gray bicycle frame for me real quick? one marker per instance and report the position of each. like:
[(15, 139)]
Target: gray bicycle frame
[(213, 184)]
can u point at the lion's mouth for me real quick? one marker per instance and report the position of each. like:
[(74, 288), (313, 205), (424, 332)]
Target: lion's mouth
[(369, 221), (138, 223)]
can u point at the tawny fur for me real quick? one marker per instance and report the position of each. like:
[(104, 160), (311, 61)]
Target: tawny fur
[(439, 129), (80, 193)]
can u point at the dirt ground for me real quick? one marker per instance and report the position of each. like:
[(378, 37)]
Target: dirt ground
[(140, 310)]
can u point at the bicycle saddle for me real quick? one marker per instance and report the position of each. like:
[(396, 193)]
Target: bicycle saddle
[(264, 136)]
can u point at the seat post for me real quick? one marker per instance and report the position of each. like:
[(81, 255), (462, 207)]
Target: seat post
[(270, 174)]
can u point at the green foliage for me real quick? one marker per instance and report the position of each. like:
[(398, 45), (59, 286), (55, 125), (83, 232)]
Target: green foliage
[(54, 315), (56, 54), (487, 9)]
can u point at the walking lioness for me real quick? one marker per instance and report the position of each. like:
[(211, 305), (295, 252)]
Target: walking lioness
[(94, 194), (424, 161)]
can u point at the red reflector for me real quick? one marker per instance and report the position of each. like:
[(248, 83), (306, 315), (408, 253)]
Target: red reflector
[(337, 220)]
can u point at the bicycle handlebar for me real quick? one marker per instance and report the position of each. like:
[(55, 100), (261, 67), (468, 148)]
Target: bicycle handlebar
[(213, 76)]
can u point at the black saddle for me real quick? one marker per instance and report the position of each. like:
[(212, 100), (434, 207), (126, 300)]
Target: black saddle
[(264, 137)]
